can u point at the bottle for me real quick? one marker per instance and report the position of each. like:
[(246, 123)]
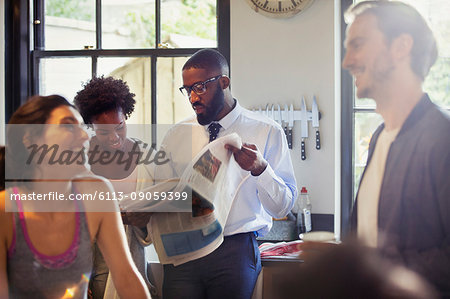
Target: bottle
[(305, 211), (298, 216)]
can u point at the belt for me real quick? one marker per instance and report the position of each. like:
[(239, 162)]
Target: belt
[(255, 233)]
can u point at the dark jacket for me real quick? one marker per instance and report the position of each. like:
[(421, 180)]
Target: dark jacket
[(414, 205)]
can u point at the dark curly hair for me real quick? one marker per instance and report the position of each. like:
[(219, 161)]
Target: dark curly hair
[(101, 95)]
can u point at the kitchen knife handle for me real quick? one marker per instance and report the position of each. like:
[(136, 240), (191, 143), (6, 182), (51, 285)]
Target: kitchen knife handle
[(303, 150), (317, 139), (286, 133), (289, 138)]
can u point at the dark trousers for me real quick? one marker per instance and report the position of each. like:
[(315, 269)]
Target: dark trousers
[(229, 272)]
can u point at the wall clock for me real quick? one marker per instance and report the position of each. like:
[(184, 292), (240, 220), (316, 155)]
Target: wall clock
[(279, 8)]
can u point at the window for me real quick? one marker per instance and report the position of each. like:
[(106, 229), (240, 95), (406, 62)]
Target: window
[(143, 42), (359, 119)]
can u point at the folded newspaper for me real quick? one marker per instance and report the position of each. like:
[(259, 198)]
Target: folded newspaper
[(212, 179)]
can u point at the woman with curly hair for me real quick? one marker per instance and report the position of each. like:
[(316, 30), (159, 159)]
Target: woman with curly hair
[(105, 104)]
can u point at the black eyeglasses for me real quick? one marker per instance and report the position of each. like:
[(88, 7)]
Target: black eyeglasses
[(199, 88)]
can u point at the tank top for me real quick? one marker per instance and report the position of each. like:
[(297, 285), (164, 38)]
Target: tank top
[(32, 274), (126, 185)]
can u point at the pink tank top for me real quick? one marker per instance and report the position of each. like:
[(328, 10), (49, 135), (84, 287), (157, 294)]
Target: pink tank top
[(32, 274)]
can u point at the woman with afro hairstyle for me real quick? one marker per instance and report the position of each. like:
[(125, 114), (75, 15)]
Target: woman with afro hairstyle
[(105, 103)]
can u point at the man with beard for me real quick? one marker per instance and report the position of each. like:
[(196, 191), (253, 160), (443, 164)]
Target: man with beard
[(228, 269), (403, 203)]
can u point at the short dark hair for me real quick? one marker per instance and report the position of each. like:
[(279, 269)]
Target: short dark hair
[(396, 18), (103, 94), (208, 59)]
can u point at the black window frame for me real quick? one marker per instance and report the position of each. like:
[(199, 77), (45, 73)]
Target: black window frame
[(348, 112), (347, 132), (22, 55), (349, 109)]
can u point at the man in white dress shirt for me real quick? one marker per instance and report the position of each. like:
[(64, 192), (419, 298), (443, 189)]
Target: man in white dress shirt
[(230, 269)]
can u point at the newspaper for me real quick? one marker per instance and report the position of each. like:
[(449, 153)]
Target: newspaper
[(210, 175), (213, 178)]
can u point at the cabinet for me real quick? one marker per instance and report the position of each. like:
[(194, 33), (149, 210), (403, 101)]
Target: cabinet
[(272, 274)]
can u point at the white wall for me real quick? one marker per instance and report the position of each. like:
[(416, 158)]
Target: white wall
[(278, 61), (2, 72)]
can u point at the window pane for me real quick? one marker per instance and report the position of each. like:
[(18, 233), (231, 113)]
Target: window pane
[(365, 125), (189, 23), (64, 76), (172, 105), (128, 24), (364, 103), (136, 73), (69, 25), (437, 84)]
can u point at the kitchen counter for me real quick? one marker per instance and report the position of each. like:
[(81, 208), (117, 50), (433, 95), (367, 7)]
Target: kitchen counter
[(282, 261)]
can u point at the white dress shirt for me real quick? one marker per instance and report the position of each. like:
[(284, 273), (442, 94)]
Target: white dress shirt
[(259, 198)]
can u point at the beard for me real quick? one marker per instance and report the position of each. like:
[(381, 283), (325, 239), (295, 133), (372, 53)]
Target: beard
[(379, 77), (213, 108)]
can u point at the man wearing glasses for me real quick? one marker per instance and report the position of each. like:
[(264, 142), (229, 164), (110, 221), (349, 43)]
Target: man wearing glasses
[(229, 269)]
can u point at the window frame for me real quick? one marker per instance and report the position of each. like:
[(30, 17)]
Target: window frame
[(348, 113), (25, 47), (347, 132)]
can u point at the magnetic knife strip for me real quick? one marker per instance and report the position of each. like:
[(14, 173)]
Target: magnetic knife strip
[(286, 117)]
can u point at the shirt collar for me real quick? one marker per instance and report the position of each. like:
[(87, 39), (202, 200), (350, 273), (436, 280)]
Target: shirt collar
[(230, 118)]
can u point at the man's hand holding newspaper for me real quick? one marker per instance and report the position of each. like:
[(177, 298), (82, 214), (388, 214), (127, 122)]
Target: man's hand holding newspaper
[(248, 157)]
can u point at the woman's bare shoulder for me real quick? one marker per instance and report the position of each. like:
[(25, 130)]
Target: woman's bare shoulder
[(96, 192)]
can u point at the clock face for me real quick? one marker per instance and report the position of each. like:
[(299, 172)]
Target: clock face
[(279, 8)]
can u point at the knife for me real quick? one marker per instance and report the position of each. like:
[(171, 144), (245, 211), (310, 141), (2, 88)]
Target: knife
[(266, 112), (315, 121), (285, 122), (304, 123), (281, 120), (272, 112), (290, 125)]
